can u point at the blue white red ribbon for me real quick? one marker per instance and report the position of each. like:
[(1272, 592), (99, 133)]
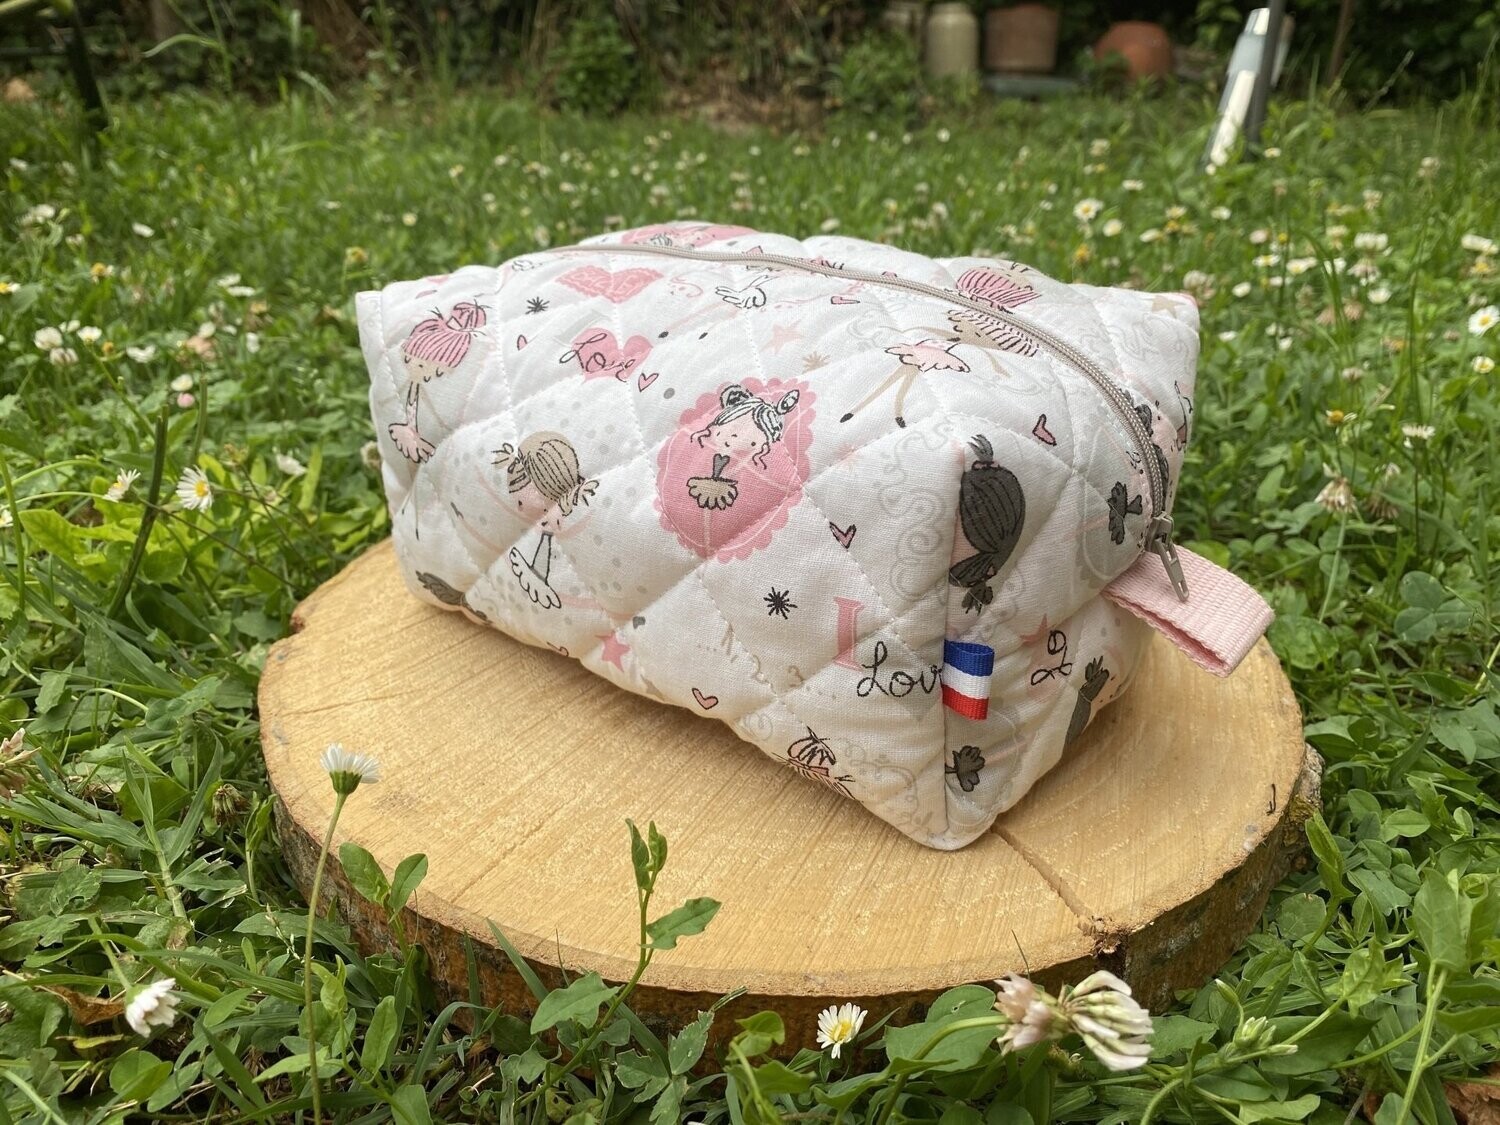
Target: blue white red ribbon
[(967, 669)]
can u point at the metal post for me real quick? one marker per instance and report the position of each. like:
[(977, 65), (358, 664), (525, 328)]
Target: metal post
[(1256, 115)]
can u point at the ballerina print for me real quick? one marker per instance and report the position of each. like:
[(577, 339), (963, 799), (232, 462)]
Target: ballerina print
[(924, 355), (436, 346), (729, 476), (545, 482), (746, 427)]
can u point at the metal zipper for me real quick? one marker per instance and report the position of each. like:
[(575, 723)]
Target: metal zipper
[(1159, 533)]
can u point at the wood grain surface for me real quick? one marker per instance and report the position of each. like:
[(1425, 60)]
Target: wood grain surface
[(1149, 850)]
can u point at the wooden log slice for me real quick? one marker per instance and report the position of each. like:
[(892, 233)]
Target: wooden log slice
[(1149, 850)]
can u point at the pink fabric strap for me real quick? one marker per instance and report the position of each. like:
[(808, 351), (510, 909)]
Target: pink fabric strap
[(1218, 624)]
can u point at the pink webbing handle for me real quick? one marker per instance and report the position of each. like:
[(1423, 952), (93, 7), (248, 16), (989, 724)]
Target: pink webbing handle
[(1216, 627)]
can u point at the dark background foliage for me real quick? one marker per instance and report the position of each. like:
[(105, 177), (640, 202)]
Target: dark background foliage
[(598, 56)]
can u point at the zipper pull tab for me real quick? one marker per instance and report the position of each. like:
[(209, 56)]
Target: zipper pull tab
[(1162, 547)]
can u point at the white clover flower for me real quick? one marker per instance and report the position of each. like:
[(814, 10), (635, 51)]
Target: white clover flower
[(1112, 228), (944, 136), (1482, 364), (143, 354), (1266, 261), (839, 1025), (1099, 146), (1176, 211), (1371, 241), (369, 455), (349, 770), (1221, 213), (41, 213), (1271, 153), (182, 383), (1087, 210), (541, 236), (1429, 166), (1418, 431), (1298, 266), (1032, 1019), (1152, 235), (1242, 289), (1336, 234), (1337, 495), (62, 357), (1259, 236), (1133, 185), (1379, 295), (829, 225), (89, 334), (409, 219), (142, 230), (1112, 1024), (152, 1006), (1196, 281), (1478, 244), (1228, 334), (290, 465), (6, 519), (193, 490), (252, 342), (1483, 320), (123, 480), (47, 338)]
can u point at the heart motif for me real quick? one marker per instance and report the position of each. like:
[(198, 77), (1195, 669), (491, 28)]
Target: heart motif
[(1042, 433), (599, 355), (615, 287), (840, 299), (645, 380), (520, 342), (845, 536), (707, 702)]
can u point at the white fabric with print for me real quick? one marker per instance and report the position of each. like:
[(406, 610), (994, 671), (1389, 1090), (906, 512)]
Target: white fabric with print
[(767, 479)]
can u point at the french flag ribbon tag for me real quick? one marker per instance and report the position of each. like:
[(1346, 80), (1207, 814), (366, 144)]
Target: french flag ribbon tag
[(967, 669)]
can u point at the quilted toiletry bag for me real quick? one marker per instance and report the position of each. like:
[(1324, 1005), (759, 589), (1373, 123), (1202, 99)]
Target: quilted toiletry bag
[(903, 523)]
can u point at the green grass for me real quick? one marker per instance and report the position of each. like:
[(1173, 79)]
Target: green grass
[(136, 837)]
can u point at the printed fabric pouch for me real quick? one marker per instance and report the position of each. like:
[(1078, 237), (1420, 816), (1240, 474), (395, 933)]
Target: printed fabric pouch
[(902, 523)]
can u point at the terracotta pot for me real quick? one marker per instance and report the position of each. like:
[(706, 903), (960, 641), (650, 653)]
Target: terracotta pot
[(1021, 40), (952, 40), (1146, 48)]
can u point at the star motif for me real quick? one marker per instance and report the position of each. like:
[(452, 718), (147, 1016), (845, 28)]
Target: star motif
[(813, 360), (614, 650), (782, 335), (779, 603)]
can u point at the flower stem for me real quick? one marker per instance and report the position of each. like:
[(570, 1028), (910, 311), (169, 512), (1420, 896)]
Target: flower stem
[(996, 1020), (148, 518), (307, 960), (1420, 1063)]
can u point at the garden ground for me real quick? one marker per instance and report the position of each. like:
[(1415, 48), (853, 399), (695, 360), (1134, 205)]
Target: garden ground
[(176, 307)]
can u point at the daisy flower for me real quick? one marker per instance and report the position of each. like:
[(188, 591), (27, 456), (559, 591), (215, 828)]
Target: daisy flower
[(152, 1006), (1087, 210), (123, 480), (181, 383), (839, 1025), (1134, 185), (348, 769), (143, 354), (1152, 235), (1418, 431), (47, 339), (1483, 320), (1221, 213), (1478, 244), (7, 288), (1112, 228), (1241, 289), (290, 465), (1483, 364), (193, 490), (89, 334)]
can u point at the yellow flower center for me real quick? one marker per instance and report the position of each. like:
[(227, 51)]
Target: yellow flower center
[(200, 488)]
